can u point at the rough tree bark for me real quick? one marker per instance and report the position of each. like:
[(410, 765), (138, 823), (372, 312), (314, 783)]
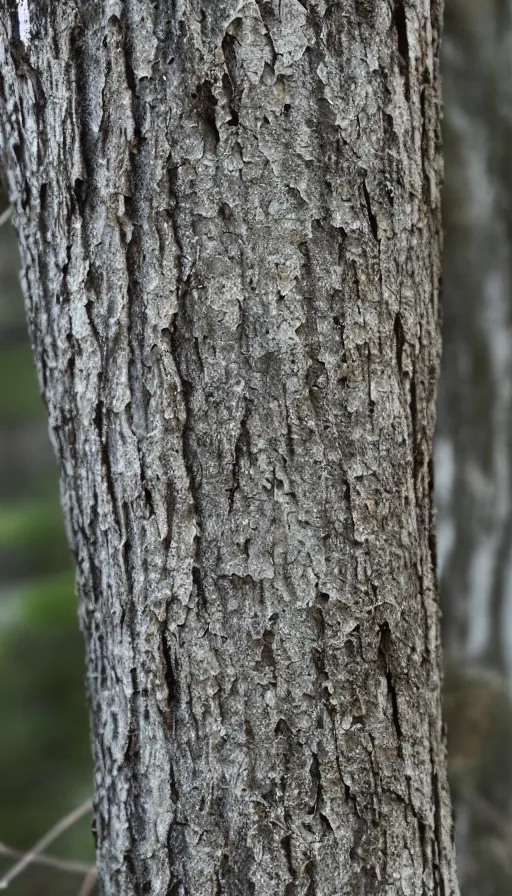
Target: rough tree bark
[(229, 225)]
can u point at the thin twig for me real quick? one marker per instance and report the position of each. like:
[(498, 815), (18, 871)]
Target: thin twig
[(4, 217), (48, 838), (88, 882), (52, 861)]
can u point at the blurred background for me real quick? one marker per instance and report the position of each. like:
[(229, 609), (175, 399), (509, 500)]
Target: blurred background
[(473, 452), (45, 769)]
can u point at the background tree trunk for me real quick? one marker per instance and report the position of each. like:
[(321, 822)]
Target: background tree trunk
[(474, 431), (229, 223), (474, 438)]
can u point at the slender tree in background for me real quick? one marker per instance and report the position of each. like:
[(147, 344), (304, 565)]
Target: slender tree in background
[(475, 433), (229, 226), (474, 437)]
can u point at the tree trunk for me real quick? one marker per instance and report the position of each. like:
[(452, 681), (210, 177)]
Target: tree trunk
[(229, 223)]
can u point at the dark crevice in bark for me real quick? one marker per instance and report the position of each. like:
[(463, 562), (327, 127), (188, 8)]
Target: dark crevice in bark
[(229, 79), (371, 217), (131, 80), (205, 103), (176, 889), (286, 843), (190, 448), (171, 680), (222, 877), (197, 577), (13, 8), (432, 527), (242, 449), (148, 497), (82, 67), (80, 195), (415, 446), (400, 21), (267, 653), (100, 426), (399, 342), (309, 871), (289, 428), (89, 310), (424, 838), (384, 651), (316, 780)]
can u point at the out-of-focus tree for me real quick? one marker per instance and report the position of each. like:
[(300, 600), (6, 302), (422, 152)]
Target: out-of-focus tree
[(45, 767), (474, 443)]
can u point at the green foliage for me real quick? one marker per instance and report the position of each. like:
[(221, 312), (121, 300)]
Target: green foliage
[(32, 536), (22, 400)]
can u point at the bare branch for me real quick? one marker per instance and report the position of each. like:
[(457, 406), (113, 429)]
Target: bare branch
[(48, 838), (88, 882), (4, 217), (51, 861)]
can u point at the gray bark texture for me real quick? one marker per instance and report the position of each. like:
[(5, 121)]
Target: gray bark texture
[(229, 226)]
